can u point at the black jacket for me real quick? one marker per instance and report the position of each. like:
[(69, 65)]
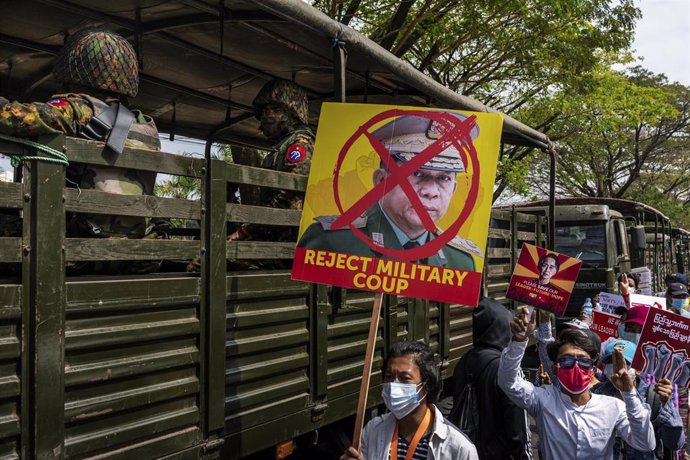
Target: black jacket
[(502, 427)]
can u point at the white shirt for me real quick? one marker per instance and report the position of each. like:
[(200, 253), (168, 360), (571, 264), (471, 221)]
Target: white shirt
[(446, 441), (567, 431)]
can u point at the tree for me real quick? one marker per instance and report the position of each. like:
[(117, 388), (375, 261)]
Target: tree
[(627, 138), (508, 54), (498, 51)]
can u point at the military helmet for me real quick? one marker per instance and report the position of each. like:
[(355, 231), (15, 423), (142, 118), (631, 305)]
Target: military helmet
[(286, 93), (99, 59)]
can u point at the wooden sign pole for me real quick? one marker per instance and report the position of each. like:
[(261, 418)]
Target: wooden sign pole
[(366, 372)]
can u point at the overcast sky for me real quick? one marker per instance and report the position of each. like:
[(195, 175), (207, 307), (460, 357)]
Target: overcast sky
[(662, 38)]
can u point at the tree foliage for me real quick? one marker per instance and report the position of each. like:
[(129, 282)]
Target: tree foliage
[(509, 54), (627, 138), (501, 52)]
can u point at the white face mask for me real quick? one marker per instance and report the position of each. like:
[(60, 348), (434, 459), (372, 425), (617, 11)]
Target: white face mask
[(401, 398), (633, 337)]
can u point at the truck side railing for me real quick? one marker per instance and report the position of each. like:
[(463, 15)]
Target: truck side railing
[(151, 365)]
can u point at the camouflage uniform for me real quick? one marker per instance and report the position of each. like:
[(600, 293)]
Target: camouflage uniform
[(105, 61), (291, 153)]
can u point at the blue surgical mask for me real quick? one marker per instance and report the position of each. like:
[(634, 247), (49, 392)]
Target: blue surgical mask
[(678, 305), (401, 398), (633, 337)]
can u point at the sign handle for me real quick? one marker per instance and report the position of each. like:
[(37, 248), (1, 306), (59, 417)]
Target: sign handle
[(366, 372)]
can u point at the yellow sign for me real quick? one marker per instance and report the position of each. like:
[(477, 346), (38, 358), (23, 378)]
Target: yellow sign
[(404, 184)]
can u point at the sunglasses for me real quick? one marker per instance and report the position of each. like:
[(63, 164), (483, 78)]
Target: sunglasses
[(583, 363)]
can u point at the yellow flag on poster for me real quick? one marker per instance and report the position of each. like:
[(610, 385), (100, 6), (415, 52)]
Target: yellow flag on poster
[(399, 200)]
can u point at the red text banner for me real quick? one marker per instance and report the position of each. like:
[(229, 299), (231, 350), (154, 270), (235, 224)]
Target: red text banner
[(395, 277), (605, 325)]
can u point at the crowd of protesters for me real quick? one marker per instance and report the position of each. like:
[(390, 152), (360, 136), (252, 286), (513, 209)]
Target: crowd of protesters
[(587, 401)]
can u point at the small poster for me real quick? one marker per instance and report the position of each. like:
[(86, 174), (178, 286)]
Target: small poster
[(605, 325), (609, 302), (543, 278), (648, 301), (663, 350)]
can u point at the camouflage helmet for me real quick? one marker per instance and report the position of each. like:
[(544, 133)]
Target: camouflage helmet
[(98, 58), (286, 93)]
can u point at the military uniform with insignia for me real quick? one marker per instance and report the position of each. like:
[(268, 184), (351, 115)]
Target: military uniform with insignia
[(455, 254), (294, 144), (96, 59), (404, 138)]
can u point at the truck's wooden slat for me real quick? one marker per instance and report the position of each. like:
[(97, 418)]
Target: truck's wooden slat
[(97, 202)]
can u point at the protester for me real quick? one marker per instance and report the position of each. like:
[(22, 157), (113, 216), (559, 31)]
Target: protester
[(572, 422), (503, 431), (544, 337), (411, 387), (631, 327), (627, 284), (677, 299), (668, 426)]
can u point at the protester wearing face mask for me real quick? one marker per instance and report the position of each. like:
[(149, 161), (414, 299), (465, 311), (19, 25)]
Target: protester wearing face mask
[(544, 337), (677, 299), (572, 422), (630, 328), (668, 426), (414, 428)]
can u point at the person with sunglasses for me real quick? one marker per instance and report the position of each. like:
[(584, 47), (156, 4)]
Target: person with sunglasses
[(572, 422)]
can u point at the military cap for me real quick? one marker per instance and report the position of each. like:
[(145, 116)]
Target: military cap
[(408, 135)]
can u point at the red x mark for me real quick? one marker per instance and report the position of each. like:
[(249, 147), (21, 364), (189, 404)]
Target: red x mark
[(455, 134)]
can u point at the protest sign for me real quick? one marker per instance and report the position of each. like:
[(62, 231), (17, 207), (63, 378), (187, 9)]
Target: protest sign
[(605, 325), (543, 278), (609, 302), (398, 201), (663, 350), (648, 301)]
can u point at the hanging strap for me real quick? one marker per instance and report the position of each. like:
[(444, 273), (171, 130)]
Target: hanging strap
[(112, 124), (55, 155), (421, 429)]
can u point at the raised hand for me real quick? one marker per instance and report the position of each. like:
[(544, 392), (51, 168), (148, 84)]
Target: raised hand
[(665, 389), (621, 379), (623, 285), (523, 324)]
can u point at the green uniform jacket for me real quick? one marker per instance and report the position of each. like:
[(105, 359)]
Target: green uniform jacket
[(291, 154), (320, 236)]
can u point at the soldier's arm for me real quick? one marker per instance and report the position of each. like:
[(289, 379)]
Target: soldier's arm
[(60, 115), (297, 161)]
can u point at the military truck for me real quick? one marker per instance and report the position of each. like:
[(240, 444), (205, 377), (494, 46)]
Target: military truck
[(221, 364), (612, 236)]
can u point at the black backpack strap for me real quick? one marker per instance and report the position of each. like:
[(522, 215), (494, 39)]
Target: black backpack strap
[(112, 124)]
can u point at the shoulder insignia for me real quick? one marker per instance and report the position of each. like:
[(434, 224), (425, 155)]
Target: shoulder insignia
[(295, 153), (464, 245), (327, 221), (58, 102)]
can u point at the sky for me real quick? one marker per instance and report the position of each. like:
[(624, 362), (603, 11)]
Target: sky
[(662, 38)]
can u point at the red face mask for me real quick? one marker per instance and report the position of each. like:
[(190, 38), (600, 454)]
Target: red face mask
[(575, 380)]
